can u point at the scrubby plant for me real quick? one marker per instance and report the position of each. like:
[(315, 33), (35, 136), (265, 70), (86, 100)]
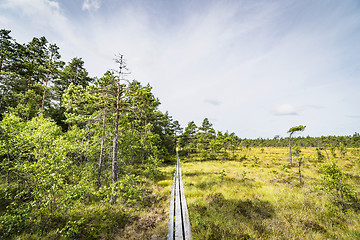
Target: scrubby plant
[(320, 156), (152, 166), (342, 150), (297, 153), (333, 151), (333, 183), (243, 158), (225, 155), (243, 175), (222, 174), (256, 159)]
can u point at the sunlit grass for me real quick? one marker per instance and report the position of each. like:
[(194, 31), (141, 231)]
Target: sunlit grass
[(260, 197)]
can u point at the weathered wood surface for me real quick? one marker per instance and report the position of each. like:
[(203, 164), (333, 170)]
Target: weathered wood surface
[(171, 212), (179, 223)]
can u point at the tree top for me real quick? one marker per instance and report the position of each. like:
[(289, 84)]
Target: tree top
[(297, 129)]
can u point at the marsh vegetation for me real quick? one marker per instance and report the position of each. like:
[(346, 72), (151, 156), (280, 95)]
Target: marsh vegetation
[(261, 197)]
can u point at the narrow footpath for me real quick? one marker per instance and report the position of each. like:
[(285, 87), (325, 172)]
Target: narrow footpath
[(179, 223)]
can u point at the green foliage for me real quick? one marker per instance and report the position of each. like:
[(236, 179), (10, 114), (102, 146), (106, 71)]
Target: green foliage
[(48, 177), (225, 155), (320, 156), (332, 150), (243, 175), (129, 190), (152, 167), (299, 128), (222, 174), (73, 229), (342, 150), (91, 222), (243, 157), (40, 158), (256, 159), (59, 133), (297, 151), (333, 183)]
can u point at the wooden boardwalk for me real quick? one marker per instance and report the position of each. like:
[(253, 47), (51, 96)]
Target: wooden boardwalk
[(179, 224)]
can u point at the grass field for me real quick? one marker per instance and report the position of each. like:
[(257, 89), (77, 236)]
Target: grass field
[(259, 196)]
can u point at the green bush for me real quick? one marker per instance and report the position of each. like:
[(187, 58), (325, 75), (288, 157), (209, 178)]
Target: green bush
[(333, 183), (320, 155)]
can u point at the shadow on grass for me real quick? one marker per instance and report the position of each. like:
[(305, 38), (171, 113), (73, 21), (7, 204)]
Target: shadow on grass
[(250, 209), (217, 181), (352, 176), (230, 219), (197, 173)]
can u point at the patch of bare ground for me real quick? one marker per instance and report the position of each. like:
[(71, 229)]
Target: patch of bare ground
[(151, 221), (152, 225)]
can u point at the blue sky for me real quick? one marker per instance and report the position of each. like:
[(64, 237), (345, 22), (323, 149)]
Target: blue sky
[(255, 68)]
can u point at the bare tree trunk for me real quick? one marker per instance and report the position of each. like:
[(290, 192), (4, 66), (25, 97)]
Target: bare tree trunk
[(116, 131), (74, 81), (133, 131), (114, 158), (300, 170), (1, 63), (327, 155), (145, 143), (46, 83), (29, 79), (2, 95), (8, 163), (2, 99), (44, 94), (28, 85), (101, 150), (290, 149), (341, 195)]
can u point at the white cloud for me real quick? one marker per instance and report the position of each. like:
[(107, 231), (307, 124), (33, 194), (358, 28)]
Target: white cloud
[(285, 109), (213, 102), (4, 21), (91, 5), (53, 4), (35, 8), (36, 18), (38, 15)]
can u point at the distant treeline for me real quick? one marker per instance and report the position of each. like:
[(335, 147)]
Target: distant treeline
[(211, 144), (320, 142)]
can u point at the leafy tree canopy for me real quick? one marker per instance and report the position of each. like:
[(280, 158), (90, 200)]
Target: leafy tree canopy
[(299, 128)]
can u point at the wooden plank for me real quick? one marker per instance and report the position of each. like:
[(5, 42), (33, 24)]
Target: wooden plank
[(179, 223), (184, 210), (170, 235), (178, 216)]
